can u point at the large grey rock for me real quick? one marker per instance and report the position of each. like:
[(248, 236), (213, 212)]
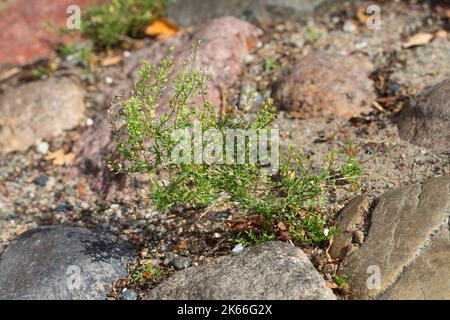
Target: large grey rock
[(62, 263), (192, 12), (408, 242), (426, 120), (37, 111), (273, 270)]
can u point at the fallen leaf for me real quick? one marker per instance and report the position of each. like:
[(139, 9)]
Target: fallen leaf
[(59, 158), (143, 253), (236, 226), (161, 28), (332, 285), (8, 74), (419, 39), (362, 15), (253, 223), (21, 230), (111, 60), (181, 245), (281, 226)]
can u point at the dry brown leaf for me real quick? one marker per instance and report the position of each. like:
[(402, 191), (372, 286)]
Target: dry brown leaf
[(181, 245), (161, 27), (21, 230), (9, 73), (362, 16), (59, 158), (419, 39), (332, 285), (111, 60)]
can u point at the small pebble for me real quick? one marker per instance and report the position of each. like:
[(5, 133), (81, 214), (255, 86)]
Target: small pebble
[(359, 237), (127, 294), (238, 248), (180, 263), (62, 207), (42, 147), (349, 27), (40, 181), (89, 122), (109, 80)]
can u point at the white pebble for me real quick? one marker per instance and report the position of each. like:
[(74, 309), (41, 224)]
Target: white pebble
[(109, 80), (89, 122), (349, 27), (42, 147), (238, 248)]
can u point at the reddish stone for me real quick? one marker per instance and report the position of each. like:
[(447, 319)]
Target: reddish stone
[(25, 36), (326, 84)]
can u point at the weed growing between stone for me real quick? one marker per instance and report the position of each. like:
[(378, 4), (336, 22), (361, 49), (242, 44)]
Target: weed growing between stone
[(110, 23), (291, 200), (146, 273)]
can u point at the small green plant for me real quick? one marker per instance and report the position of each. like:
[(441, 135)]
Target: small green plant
[(146, 127), (110, 23), (341, 281), (80, 52), (146, 273), (270, 64), (250, 238), (312, 35)]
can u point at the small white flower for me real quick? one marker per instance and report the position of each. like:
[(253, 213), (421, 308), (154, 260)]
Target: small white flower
[(326, 231)]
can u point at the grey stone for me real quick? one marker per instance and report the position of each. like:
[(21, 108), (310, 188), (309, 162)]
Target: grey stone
[(349, 220), (272, 270), (38, 111), (192, 12), (40, 181), (53, 263), (359, 237), (180, 263), (408, 241), (426, 120), (128, 294)]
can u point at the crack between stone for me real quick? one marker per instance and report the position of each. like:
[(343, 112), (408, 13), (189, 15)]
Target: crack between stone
[(368, 217)]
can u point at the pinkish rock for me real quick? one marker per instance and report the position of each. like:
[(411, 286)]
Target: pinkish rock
[(37, 111), (25, 36), (326, 84), (225, 42)]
